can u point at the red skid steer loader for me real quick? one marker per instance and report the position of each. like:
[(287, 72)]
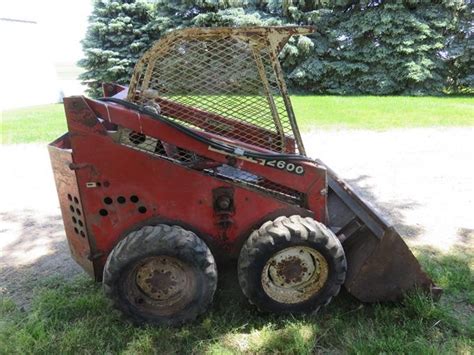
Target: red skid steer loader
[(200, 158)]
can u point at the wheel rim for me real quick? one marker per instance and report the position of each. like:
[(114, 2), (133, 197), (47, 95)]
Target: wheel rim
[(161, 285), (294, 274)]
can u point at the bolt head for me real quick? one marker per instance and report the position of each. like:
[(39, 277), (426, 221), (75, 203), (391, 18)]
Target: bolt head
[(223, 202)]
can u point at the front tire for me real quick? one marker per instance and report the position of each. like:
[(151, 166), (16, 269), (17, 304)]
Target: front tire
[(292, 264), (163, 275)]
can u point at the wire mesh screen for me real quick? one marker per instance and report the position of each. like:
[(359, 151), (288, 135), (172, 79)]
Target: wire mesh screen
[(222, 83)]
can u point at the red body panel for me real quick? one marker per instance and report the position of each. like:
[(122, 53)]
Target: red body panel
[(165, 191)]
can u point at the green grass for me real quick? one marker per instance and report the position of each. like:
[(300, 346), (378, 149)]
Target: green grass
[(33, 124), (44, 123), (371, 112), (73, 316)]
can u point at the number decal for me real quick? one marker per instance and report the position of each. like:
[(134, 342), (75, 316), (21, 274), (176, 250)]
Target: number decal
[(277, 164), (283, 165), (299, 170)]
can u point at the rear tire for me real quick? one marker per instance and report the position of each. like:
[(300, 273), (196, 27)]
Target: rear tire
[(164, 275), (292, 264)]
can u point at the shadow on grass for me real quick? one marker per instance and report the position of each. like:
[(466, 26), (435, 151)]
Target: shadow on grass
[(392, 211), (33, 247)]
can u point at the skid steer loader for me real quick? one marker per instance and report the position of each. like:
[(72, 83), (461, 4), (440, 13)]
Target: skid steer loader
[(200, 159)]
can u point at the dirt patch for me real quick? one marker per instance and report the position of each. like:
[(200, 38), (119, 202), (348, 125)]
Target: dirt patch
[(32, 241), (419, 179)]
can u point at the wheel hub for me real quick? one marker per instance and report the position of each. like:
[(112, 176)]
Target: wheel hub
[(291, 270), (160, 282), (294, 274), (162, 278)]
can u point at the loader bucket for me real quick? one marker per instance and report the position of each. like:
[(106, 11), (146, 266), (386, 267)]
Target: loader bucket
[(380, 267)]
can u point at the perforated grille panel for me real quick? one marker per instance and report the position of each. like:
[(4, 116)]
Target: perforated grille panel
[(224, 81)]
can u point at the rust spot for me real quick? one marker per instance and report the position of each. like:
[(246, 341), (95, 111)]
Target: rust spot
[(77, 110), (75, 104), (291, 269)]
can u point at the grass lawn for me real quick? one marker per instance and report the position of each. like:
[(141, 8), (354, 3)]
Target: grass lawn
[(73, 316), (33, 124), (370, 112), (44, 123)]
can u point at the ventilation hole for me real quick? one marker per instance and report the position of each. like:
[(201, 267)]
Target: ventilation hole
[(76, 230), (69, 197), (142, 209), (103, 212), (121, 199), (99, 184), (76, 200), (74, 220), (136, 138), (78, 211), (134, 198), (71, 208), (185, 155), (83, 234), (80, 222), (108, 201)]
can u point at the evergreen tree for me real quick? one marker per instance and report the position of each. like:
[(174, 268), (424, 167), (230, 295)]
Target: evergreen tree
[(215, 13), (360, 46), (379, 47), (119, 32), (459, 51)]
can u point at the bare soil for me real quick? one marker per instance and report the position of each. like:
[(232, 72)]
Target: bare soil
[(420, 180)]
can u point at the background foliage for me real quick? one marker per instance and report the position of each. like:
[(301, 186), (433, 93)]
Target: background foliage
[(118, 33), (379, 47)]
